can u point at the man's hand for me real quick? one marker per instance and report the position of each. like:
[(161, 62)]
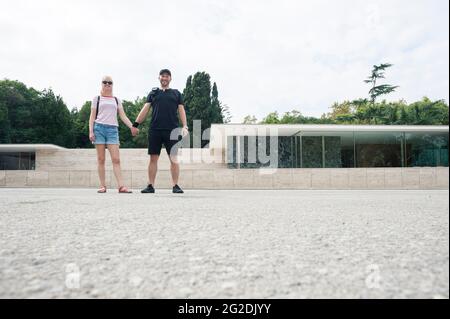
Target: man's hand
[(92, 136), (185, 131), (134, 131)]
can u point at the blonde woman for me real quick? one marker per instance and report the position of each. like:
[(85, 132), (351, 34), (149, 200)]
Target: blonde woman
[(104, 132)]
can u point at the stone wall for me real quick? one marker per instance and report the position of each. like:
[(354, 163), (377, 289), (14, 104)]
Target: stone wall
[(205, 169), (223, 178)]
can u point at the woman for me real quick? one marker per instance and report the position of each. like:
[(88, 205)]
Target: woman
[(104, 131)]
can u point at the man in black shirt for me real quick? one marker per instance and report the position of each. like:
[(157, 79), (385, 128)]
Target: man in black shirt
[(164, 128)]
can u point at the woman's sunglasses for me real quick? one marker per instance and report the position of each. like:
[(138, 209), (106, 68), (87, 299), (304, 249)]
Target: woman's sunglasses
[(107, 82)]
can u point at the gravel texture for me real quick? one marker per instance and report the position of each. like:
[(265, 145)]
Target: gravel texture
[(74, 243)]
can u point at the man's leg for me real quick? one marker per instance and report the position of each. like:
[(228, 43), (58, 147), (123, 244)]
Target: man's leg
[(154, 149), (174, 169), (152, 168), (172, 151)]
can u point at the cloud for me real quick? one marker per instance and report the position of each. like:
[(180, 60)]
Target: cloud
[(264, 55)]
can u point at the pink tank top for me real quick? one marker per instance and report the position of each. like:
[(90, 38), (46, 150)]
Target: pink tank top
[(107, 110)]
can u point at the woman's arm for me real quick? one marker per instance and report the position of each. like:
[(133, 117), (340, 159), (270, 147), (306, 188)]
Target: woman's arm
[(91, 121), (127, 121), (124, 117)]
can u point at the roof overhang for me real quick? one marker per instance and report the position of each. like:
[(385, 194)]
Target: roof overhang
[(28, 147), (220, 132)]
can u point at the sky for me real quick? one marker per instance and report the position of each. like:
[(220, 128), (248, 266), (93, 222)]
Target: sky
[(264, 55)]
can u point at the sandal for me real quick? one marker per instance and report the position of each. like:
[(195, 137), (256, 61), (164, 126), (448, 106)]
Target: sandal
[(102, 190), (124, 190)]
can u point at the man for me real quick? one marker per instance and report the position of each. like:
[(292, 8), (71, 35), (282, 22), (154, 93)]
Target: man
[(164, 128)]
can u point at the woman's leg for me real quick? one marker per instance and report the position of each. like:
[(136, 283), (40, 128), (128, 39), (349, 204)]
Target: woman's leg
[(115, 158), (101, 163)]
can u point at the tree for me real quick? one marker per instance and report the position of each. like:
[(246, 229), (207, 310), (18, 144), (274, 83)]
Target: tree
[(362, 111), (378, 90), (340, 109), (271, 118), (4, 124), (202, 102), (250, 119), (31, 116), (80, 121), (293, 117), (132, 110), (51, 120), (216, 108), (427, 112)]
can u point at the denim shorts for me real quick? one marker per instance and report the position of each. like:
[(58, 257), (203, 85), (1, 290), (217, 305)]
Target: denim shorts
[(106, 134)]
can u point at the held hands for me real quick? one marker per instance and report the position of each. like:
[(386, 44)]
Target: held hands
[(134, 131)]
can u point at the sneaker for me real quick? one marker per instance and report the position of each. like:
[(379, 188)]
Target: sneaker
[(148, 189), (177, 190)]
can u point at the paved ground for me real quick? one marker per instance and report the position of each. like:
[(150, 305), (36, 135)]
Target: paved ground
[(62, 243)]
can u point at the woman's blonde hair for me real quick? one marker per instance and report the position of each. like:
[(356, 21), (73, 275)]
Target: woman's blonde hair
[(106, 78)]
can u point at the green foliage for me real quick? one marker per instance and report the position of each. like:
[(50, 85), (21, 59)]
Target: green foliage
[(271, 118), (80, 121), (250, 119), (132, 110), (30, 116), (4, 124), (424, 112), (364, 111), (383, 89), (202, 102)]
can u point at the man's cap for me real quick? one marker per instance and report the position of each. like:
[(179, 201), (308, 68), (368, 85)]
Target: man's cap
[(165, 71)]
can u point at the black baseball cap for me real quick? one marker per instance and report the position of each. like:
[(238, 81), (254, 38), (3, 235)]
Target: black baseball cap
[(165, 71)]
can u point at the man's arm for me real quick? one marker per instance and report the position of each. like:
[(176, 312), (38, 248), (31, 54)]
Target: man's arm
[(143, 114), (182, 115)]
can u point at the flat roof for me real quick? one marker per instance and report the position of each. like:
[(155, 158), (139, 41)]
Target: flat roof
[(292, 128), (28, 147), (219, 132)]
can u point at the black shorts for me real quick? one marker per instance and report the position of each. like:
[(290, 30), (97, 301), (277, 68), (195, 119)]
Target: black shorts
[(156, 139)]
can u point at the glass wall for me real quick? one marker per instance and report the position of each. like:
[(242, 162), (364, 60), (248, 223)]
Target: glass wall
[(379, 149), (311, 151), (342, 149), (17, 161), (329, 149), (426, 149), (339, 150), (259, 151)]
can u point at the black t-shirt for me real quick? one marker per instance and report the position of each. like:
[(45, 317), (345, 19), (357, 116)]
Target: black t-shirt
[(164, 108)]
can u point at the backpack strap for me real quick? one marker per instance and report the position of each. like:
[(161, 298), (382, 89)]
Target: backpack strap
[(117, 103), (98, 104), (153, 93)]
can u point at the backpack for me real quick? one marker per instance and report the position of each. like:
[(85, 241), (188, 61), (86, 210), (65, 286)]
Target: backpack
[(98, 103)]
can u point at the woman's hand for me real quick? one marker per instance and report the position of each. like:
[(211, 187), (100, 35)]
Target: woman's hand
[(134, 131), (92, 136)]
